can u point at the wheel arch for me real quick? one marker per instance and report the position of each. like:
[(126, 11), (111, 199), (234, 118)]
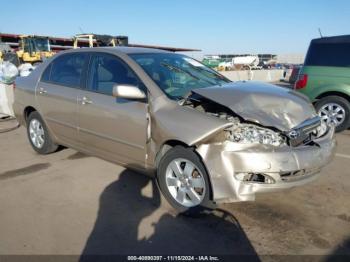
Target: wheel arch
[(341, 98), (27, 111), (169, 144), (166, 146), (333, 93)]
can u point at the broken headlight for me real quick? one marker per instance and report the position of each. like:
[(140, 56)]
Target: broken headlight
[(252, 134)]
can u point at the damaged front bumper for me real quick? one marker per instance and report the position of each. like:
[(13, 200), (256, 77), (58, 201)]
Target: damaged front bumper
[(283, 167)]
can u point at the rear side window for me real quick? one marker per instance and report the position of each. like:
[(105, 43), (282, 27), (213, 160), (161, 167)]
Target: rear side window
[(46, 75), (328, 54), (106, 71), (67, 69)]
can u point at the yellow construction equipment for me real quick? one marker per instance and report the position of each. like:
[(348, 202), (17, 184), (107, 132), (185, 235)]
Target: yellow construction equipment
[(91, 40), (34, 49)]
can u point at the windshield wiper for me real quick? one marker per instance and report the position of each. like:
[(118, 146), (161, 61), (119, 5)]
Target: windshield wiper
[(207, 71), (178, 69)]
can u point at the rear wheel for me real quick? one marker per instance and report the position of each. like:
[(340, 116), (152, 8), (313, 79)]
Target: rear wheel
[(38, 135), (334, 110), (183, 180)]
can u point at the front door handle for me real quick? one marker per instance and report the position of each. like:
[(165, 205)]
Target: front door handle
[(85, 101), (42, 91)]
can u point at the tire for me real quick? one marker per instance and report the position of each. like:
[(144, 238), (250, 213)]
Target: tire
[(328, 103), (38, 135), (195, 199)]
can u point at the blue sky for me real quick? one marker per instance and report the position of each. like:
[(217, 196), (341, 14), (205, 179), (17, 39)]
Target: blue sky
[(222, 26)]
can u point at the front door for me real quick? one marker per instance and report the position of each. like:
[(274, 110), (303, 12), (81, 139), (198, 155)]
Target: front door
[(111, 127)]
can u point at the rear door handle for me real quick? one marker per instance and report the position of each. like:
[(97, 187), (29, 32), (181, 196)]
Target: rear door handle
[(85, 101), (42, 91)]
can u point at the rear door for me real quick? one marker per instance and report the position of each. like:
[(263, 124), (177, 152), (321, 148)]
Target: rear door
[(111, 127), (57, 94)]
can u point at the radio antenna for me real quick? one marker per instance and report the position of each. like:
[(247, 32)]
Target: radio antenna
[(319, 30)]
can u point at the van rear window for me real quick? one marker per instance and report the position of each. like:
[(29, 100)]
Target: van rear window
[(328, 54)]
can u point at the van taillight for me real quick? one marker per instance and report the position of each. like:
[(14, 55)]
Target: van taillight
[(301, 82), (14, 85)]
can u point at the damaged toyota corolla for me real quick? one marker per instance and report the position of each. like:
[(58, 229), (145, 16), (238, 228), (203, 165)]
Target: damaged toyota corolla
[(205, 138)]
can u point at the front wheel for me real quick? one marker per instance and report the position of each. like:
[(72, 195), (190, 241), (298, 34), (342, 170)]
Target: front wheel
[(334, 110), (183, 180)]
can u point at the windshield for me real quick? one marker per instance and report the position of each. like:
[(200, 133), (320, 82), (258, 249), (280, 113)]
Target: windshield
[(41, 44), (178, 74)]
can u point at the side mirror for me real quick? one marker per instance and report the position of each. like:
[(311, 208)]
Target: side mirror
[(128, 92)]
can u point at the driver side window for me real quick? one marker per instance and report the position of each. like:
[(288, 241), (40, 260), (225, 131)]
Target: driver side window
[(106, 71)]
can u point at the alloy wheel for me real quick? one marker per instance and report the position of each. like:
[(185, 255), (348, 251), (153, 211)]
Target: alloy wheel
[(332, 114), (185, 182), (36, 132)]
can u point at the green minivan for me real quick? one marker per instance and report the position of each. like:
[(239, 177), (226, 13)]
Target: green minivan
[(325, 79)]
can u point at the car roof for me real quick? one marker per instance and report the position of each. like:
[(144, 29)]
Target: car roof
[(332, 39), (118, 49)]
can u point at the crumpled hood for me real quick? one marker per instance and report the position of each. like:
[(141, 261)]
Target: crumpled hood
[(266, 104)]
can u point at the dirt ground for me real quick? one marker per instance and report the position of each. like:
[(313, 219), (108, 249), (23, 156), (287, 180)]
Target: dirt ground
[(70, 203)]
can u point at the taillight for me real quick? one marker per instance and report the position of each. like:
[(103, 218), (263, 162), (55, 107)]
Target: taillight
[(14, 85), (301, 82)]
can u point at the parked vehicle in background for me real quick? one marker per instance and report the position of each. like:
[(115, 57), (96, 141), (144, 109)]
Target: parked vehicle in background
[(325, 79), (225, 66), (264, 65), (240, 63), (202, 136), (212, 62), (294, 75), (34, 49)]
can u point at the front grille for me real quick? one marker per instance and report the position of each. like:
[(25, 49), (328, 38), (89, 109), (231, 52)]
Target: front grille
[(303, 133)]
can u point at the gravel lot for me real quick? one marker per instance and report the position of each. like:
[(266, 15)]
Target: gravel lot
[(70, 203)]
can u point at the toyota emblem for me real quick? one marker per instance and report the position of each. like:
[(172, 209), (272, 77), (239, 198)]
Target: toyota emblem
[(293, 134)]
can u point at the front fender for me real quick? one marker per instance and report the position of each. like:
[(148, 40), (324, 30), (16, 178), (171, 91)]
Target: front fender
[(171, 121)]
